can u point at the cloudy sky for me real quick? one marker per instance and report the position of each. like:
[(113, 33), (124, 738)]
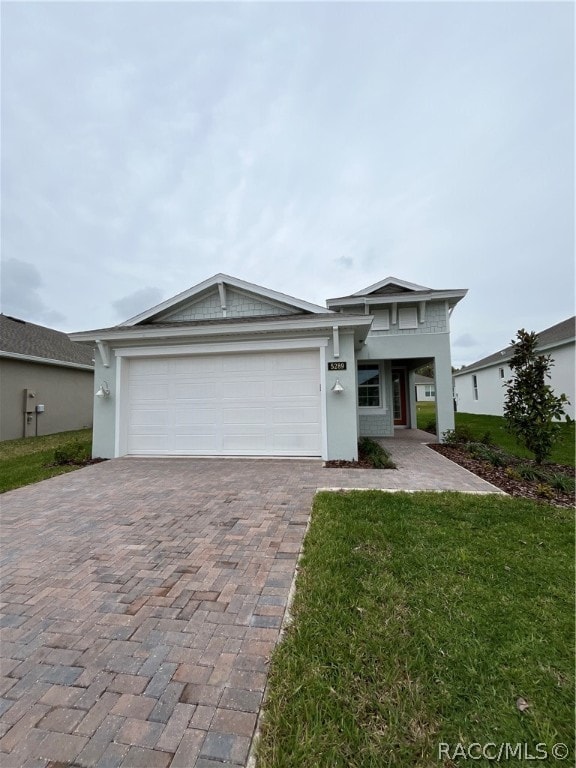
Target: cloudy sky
[(313, 148)]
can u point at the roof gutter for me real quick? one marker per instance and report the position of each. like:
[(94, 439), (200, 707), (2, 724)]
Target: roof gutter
[(46, 361)]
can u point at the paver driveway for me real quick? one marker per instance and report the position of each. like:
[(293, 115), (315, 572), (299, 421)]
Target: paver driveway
[(141, 601)]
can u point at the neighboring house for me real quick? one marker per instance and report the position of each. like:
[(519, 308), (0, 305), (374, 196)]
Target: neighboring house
[(480, 387), (425, 389), (231, 368), (46, 380)]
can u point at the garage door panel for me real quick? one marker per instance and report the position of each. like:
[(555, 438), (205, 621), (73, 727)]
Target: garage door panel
[(299, 415), (148, 443), (307, 445), (245, 404), (245, 363), (248, 443), (202, 416), (200, 391), (295, 389), (243, 390), (202, 443), (149, 418), (150, 367), (143, 389), (244, 415)]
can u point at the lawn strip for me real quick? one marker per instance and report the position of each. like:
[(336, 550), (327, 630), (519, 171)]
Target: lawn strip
[(419, 619), (29, 460)]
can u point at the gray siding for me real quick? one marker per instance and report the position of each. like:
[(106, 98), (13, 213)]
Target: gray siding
[(238, 304), (66, 394), (435, 322)]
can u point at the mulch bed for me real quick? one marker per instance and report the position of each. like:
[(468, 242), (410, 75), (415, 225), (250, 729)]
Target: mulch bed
[(527, 489)]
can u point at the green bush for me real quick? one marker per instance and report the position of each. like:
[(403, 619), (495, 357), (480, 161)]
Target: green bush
[(75, 452), (457, 436), (485, 452), (375, 454), (561, 482), (487, 438), (531, 473)]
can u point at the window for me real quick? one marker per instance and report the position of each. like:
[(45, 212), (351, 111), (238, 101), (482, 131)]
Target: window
[(475, 386), (381, 320), (429, 390), (501, 372), (407, 318), (369, 386)]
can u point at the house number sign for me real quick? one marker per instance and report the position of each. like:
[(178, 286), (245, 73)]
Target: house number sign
[(339, 366)]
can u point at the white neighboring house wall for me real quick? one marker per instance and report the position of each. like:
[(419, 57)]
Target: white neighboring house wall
[(426, 393), (483, 392)]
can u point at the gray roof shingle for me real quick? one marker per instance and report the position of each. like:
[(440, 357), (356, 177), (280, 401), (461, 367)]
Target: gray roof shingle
[(23, 338), (556, 334)]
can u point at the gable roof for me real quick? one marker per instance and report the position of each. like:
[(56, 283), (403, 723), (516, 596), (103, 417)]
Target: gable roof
[(219, 282), (419, 379), (561, 333), (392, 290), (23, 340), (390, 285)]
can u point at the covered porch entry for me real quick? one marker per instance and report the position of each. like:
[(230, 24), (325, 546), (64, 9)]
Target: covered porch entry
[(387, 397)]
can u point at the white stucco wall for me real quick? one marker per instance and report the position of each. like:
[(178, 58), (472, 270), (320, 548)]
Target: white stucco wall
[(492, 392)]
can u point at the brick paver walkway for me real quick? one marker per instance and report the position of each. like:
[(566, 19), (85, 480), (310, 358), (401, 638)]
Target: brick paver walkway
[(141, 600)]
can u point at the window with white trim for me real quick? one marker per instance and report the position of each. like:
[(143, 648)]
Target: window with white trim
[(429, 390), (369, 386), (475, 386), (501, 372)]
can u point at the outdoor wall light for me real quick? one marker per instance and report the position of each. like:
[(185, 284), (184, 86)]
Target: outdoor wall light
[(104, 390), (337, 388)]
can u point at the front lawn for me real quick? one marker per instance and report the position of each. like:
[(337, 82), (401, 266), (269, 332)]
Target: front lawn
[(422, 619), (479, 425), (31, 459)]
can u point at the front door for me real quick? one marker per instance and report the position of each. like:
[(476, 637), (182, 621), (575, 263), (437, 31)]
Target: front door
[(399, 397)]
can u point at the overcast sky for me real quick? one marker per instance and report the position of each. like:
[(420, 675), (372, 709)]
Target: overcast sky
[(312, 148)]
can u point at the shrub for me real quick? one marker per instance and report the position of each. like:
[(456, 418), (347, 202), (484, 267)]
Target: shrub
[(461, 434), (75, 452), (487, 438), (531, 407), (493, 456), (528, 472), (375, 454), (545, 491), (561, 483)]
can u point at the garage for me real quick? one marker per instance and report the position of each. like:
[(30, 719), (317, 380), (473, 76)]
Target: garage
[(238, 404)]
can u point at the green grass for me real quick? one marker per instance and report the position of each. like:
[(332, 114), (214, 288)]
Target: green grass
[(27, 460), (563, 452), (420, 619)]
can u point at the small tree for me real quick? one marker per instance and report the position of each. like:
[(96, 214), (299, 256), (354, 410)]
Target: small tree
[(531, 406)]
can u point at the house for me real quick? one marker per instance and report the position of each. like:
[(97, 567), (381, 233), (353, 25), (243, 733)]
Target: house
[(46, 380), (425, 389), (480, 387), (231, 368)]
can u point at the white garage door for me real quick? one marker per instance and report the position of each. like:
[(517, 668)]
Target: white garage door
[(264, 404)]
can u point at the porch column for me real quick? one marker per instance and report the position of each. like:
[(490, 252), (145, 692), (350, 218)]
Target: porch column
[(444, 396)]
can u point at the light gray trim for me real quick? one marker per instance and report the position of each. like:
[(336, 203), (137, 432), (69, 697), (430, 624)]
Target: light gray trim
[(266, 326), (213, 282), (393, 298), (46, 361), (391, 281)]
